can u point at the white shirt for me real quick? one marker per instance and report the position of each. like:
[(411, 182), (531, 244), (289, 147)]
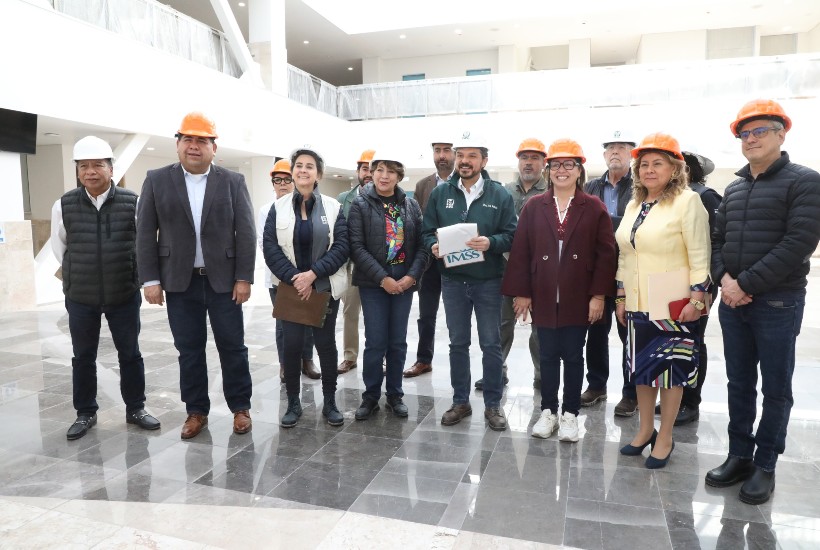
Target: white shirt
[(195, 184), (440, 181), (475, 191), (260, 230), (59, 241)]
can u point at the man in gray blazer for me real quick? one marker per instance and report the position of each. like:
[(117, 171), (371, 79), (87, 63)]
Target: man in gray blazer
[(196, 241)]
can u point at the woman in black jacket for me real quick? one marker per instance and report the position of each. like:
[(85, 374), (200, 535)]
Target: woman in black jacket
[(305, 245), (388, 258)]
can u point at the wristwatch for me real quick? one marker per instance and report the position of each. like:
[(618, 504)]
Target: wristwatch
[(698, 304)]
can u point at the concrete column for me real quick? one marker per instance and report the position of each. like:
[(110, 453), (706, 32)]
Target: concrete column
[(579, 53), (250, 68), (371, 70), (16, 254), (258, 180), (266, 34), (50, 174)]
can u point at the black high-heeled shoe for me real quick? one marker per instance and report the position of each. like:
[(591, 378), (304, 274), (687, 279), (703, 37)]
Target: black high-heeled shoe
[(654, 463), (632, 450)]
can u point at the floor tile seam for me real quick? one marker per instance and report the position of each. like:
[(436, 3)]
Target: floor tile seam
[(32, 472), (620, 504)]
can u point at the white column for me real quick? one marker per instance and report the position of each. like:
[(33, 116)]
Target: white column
[(126, 152), (579, 53), (258, 180), (16, 253), (250, 69), (266, 35), (371, 70)]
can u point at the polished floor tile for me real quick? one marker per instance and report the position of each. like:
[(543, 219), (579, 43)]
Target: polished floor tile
[(376, 481)]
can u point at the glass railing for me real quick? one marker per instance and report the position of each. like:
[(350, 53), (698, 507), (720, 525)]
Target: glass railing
[(157, 25)]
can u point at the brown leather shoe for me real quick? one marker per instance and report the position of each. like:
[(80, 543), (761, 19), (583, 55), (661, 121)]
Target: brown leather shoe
[(456, 413), (309, 369), (346, 366), (193, 425), (242, 422), (417, 369)]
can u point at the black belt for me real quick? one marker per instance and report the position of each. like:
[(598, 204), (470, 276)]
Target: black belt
[(200, 271)]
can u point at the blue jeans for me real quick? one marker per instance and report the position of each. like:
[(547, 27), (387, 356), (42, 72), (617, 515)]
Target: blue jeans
[(567, 344), (307, 351), (325, 340), (84, 325), (597, 349), (188, 312), (385, 336), (429, 298), (460, 300), (763, 331)]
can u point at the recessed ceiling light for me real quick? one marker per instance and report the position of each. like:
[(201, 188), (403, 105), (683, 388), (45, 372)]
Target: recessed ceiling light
[(149, 148), (336, 176), (458, 32), (350, 68), (241, 4), (402, 36), (51, 134), (306, 42)]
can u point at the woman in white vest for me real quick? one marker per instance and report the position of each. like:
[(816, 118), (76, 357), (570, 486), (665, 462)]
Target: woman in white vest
[(305, 245)]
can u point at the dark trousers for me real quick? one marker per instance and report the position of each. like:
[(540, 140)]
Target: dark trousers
[(429, 298), (84, 325), (385, 336), (597, 351), (557, 344), (325, 341), (188, 314), (762, 333), (307, 351), (691, 395)]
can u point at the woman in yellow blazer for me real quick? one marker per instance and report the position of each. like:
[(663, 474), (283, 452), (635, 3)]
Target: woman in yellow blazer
[(664, 228)]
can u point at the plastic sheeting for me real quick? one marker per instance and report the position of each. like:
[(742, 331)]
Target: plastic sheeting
[(159, 26), (311, 91)]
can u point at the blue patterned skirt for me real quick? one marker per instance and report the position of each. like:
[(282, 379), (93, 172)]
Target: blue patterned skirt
[(661, 353)]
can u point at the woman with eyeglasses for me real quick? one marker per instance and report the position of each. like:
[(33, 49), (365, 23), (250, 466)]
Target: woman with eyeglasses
[(665, 228), (282, 181), (388, 258), (561, 266), (305, 245)]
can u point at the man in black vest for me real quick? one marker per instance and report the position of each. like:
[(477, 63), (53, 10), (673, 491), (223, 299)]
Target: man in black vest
[(93, 236)]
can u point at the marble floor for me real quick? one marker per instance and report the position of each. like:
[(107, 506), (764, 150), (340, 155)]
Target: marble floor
[(384, 482)]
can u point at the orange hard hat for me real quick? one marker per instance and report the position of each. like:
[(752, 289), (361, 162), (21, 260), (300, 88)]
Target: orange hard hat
[(760, 108), (197, 124), (658, 142), (283, 166), (366, 157), (532, 144), (566, 148)]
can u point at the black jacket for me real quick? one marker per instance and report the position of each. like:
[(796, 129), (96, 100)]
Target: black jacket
[(100, 261), (368, 237), (766, 229), (596, 186)]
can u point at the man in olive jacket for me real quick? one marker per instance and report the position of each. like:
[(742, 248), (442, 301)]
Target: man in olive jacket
[(472, 197)]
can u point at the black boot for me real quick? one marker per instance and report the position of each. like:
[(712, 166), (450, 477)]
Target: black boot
[(730, 472), (757, 488), (366, 409), (331, 412), (293, 413)]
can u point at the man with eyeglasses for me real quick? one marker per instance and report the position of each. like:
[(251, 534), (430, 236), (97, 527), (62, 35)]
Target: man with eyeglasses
[(351, 303), (429, 293), (472, 197), (614, 188), (532, 155), (282, 180), (766, 229)]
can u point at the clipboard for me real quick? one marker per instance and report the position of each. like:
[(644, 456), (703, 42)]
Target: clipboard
[(289, 306)]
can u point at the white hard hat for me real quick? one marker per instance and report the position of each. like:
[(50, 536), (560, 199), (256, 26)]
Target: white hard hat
[(445, 141), (469, 139), (92, 147), (619, 137), (387, 154)]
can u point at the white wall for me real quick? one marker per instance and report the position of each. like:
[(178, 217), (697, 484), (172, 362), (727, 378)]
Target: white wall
[(809, 41), (672, 46), (439, 66), (550, 57), (734, 42), (50, 174)]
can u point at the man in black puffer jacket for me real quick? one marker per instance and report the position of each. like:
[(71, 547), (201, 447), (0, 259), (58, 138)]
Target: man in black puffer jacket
[(767, 227), (93, 236)]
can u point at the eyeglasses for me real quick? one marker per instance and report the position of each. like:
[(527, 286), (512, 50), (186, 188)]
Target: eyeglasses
[(555, 165), (282, 181), (757, 133)]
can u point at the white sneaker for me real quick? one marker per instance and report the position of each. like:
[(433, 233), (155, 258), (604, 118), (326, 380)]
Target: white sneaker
[(568, 427), (546, 425)]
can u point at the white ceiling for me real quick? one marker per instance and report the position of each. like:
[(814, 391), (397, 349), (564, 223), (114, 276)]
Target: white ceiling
[(342, 33)]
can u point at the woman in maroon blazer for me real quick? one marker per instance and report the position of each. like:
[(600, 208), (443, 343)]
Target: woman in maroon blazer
[(561, 265)]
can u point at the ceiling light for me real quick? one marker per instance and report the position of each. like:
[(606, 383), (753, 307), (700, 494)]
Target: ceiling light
[(241, 4), (51, 134), (458, 32), (402, 36), (350, 68), (306, 42), (336, 176), (149, 148)]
